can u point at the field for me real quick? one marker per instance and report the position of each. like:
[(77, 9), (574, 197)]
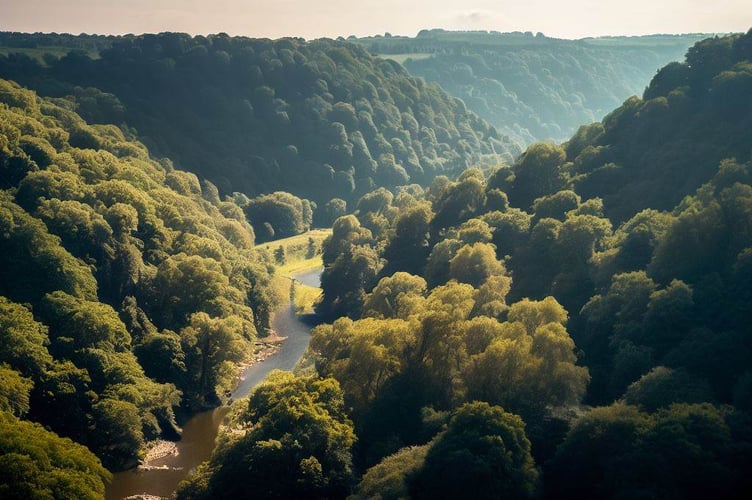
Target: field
[(401, 58), (298, 254)]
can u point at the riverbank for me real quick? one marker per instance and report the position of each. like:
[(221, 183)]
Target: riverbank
[(166, 463), (157, 450)]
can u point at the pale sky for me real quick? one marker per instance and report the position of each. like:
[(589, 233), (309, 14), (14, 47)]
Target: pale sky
[(331, 18)]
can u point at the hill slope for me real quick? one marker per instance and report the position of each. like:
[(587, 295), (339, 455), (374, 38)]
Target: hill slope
[(528, 291), (320, 119), (127, 287), (534, 87)]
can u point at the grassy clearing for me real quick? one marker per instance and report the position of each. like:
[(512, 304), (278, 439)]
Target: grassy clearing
[(297, 241), (401, 58), (305, 296), (299, 266), (298, 254)]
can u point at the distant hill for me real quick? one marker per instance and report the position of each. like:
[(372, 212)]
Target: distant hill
[(320, 119), (532, 87)]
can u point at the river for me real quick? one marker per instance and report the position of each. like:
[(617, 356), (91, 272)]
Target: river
[(200, 431)]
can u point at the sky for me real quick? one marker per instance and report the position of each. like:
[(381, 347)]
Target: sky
[(331, 18)]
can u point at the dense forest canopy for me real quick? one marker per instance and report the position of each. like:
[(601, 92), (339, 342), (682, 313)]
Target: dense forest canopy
[(127, 289), (575, 323), (532, 87), (321, 119), (539, 332)]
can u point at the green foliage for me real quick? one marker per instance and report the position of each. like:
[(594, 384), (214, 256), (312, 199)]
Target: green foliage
[(684, 451), (530, 87), (36, 464), (387, 480), (642, 159), (211, 345), (351, 267), (14, 392), (114, 253), (117, 434), (656, 301), (408, 248), (23, 340), (662, 387), (473, 290), (395, 296), (459, 201), (34, 261), (530, 363), (537, 173), (297, 445), (321, 119), (286, 215), (484, 453), (430, 350), (475, 264)]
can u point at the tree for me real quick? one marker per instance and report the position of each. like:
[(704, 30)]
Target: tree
[(437, 267), (346, 281), (407, 250), (36, 463), (395, 296), (80, 324), (287, 214), (35, 263), (475, 264), (333, 210), (388, 479), (556, 205), (297, 446), (600, 456), (537, 173), (490, 298), (162, 357), (484, 453), (363, 356), (210, 344), (279, 255), (661, 387), (22, 339), (683, 451), (117, 434), (530, 364), (459, 201), (14, 392)]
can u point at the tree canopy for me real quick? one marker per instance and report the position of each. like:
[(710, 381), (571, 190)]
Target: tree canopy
[(126, 286)]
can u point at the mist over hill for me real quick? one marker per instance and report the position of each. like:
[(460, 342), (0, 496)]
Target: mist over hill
[(532, 87)]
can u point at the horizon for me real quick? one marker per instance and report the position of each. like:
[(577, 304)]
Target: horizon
[(334, 18)]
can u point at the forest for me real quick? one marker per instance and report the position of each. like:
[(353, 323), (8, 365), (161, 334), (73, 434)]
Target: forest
[(128, 290), (572, 321), (532, 87), (321, 119)]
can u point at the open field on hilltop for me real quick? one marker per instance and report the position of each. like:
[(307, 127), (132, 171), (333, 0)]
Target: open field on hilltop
[(401, 58)]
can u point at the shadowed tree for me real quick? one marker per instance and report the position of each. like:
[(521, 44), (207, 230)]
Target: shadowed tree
[(484, 453)]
